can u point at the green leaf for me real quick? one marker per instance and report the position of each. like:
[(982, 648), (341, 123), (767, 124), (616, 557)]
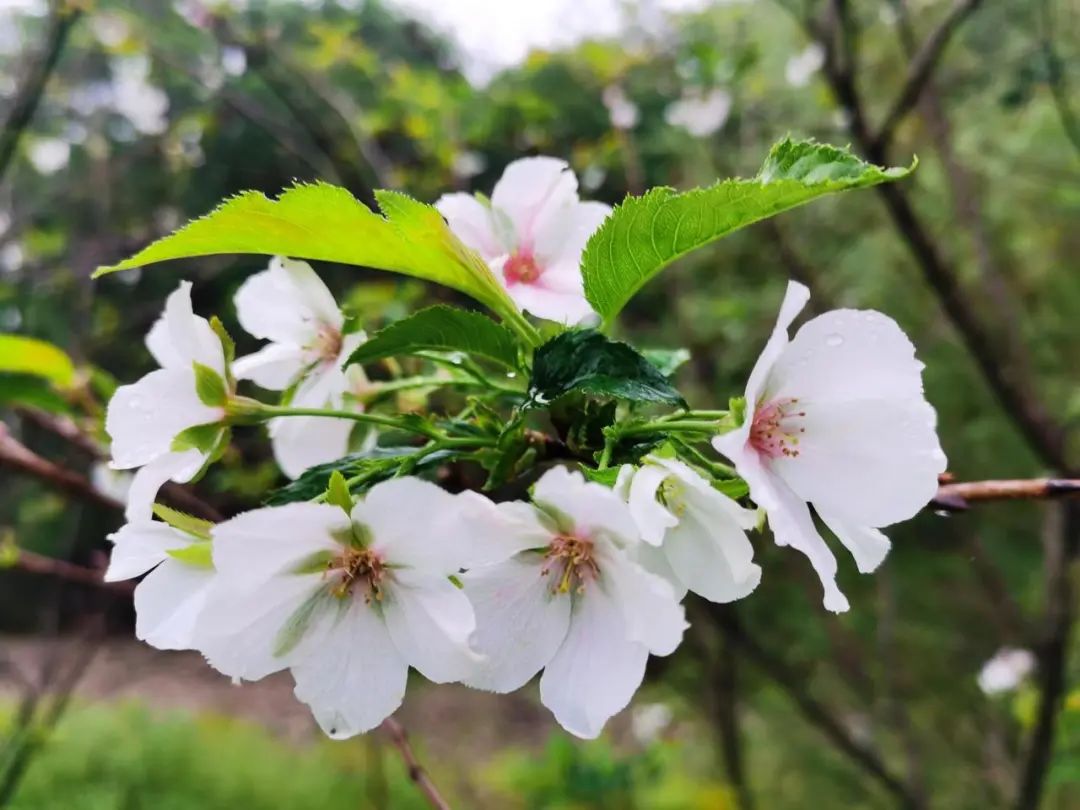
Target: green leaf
[(442, 328), (204, 438), (644, 234), (323, 222), (667, 360), (584, 360), (337, 492), (25, 355), (30, 391), (209, 386), (189, 524), (197, 555), (228, 345), (374, 466), (606, 477)]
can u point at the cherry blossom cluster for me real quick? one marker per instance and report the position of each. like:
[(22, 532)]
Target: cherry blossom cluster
[(581, 581)]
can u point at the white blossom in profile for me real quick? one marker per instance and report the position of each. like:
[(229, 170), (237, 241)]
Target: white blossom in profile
[(348, 602), (144, 418), (49, 155), (624, 113), (801, 67), (573, 603), (531, 233), (836, 418), (700, 114), (694, 535), (170, 598), (1006, 670), (289, 305)]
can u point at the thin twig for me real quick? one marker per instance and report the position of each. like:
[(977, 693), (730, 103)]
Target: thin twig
[(62, 18), (400, 738), (956, 497), (34, 563)]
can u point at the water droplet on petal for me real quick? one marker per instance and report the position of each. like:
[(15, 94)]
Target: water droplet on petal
[(834, 340)]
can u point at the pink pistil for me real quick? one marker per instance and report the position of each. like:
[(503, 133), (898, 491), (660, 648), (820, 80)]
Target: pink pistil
[(521, 268), (776, 428)]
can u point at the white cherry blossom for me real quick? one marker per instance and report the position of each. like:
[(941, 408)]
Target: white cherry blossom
[(1006, 670), (531, 233), (836, 418), (574, 604), (349, 603), (694, 534), (289, 305), (170, 598), (145, 417)]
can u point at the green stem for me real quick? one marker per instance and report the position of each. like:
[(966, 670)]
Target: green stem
[(355, 416), (524, 330), (430, 381), (671, 426)]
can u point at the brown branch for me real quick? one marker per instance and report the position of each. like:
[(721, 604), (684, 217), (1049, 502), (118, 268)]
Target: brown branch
[(62, 18), (417, 774), (958, 497), (921, 69), (34, 563), (814, 711)]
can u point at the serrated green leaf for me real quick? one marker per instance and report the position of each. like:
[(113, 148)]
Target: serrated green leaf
[(584, 360), (644, 234), (197, 555), (182, 521), (442, 328), (324, 222), (209, 386), (373, 466), (26, 355), (337, 492)]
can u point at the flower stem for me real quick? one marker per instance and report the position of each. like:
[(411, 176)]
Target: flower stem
[(355, 416)]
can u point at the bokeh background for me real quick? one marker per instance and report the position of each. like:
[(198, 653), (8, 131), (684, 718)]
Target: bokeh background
[(154, 110)]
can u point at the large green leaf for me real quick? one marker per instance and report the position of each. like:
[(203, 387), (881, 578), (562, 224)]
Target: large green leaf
[(26, 355), (644, 234), (441, 328), (323, 222), (586, 361)]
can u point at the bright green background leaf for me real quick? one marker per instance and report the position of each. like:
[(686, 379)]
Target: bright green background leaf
[(28, 355), (644, 234), (442, 328)]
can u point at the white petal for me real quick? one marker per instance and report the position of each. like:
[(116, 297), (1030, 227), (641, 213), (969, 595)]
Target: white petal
[(848, 354), (421, 526), (168, 604), (594, 510), (564, 237), (529, 188), (867, 545), (795, 299), (712, 556), (353, 678), (654, 560), (653, 615), (569, 308), (872, 462), (431, 622), (180, 337), (149, 479), (790, 521), (239, 628), (143, 418), (254, 547), (300, 442), (470, 220), (274, 366), (520, 623), (652, 519), (138, 547), (596, 670), (287, 303)]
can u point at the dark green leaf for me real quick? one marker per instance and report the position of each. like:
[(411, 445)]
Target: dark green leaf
[(584, 360), (442, 328)]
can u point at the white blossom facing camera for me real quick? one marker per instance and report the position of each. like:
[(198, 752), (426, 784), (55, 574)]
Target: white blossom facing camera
[(694, 535), (836, 418), (289, 305), (1006, 670), (574, 604), (170, 598), (349, 602), (531, 233), (145, 418)]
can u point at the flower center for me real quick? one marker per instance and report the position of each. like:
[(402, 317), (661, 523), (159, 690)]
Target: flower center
[(360, 568), (327, 343), (521, 268), (572, 558), (776, 428), (673, 496)]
